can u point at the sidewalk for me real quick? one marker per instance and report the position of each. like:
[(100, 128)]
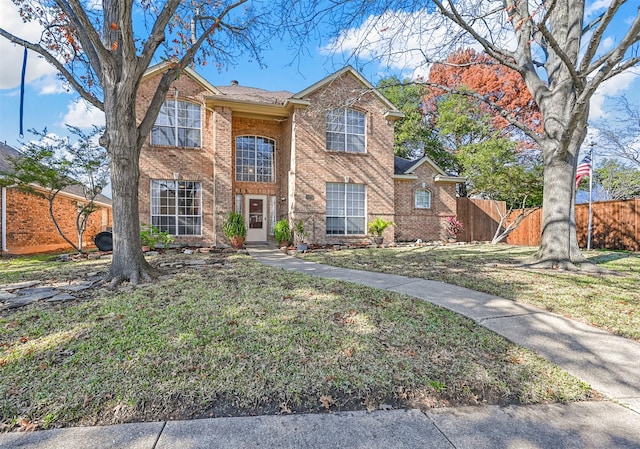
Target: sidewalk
[(610, 364)]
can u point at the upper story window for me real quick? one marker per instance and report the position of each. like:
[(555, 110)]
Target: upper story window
[(177, 125), (346, 130), (423, 199), (255, 159)]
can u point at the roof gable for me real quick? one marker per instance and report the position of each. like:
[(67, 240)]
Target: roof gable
[(404, 167), (350, 71), (164, 66)]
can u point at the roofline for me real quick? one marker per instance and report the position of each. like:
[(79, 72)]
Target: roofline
[(428, 160), (250, 108), (440, 176), (163, 66), (405, 177), (334, 76), (65, 194), (456, 179)]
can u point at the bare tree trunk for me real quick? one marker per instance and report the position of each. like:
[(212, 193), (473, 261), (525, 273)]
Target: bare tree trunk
[(559, 242), (121, 139)]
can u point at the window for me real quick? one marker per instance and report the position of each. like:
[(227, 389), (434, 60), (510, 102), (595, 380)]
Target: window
[(423, 199), (345, 209), (176, 207), (255, 159), (177, 125), (345, 130)]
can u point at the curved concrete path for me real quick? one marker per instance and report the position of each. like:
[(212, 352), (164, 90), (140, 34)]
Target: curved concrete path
[(610, 364)]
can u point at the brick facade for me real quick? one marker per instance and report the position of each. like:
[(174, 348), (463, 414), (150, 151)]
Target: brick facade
[(427, 224), (29, 228), (303, 166)]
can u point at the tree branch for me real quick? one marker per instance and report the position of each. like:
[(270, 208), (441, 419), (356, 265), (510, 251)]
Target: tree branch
[(602, 23), (57, 64)]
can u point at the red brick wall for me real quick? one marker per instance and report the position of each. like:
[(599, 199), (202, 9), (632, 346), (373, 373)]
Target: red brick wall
[(425, 224), (188, 164), (30, 229), (315, 166)]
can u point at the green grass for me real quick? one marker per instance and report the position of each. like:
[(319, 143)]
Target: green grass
[(248, 339), (608, 300)]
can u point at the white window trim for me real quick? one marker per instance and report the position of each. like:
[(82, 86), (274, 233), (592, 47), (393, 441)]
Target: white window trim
[(176, 127), (255, 158), (176, 208), (346, 216), (364, 133), (415, 199)]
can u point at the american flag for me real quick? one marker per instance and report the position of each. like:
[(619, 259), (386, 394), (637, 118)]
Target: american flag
[(584, 168)]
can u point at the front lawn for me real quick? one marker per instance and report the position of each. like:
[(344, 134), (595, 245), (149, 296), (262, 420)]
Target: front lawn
[(609, 300), (238, 338)]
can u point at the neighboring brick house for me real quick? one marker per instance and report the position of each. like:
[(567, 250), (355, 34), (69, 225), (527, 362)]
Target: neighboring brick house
[(26, 226), (323, 156), (425, 196)]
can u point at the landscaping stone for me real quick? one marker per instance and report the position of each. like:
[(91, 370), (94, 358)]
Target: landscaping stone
[(196, 262), (18, 302), (19, 285), (4, 295), (60, 297), (36, 294), (76, 287), (188, 251), (151, 253)]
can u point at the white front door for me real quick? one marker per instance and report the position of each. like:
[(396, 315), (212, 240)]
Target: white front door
[(255, 216)]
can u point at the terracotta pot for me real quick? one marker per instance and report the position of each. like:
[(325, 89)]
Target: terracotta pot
[(237, 242)]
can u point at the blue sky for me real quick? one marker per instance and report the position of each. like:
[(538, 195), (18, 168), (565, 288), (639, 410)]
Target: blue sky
[(48, 104)]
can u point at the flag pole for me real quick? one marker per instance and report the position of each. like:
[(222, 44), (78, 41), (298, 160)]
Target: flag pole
[(592, 144)]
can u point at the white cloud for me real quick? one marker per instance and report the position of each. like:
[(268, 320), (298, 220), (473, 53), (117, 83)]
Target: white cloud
[(595, 7), (613, 87), (411, 41), (83, 115), (11, 68)]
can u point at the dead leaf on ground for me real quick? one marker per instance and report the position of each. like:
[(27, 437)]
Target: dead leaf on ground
[(284, 408), (326, 401), (26, 425), (349, 352), (12, 324)]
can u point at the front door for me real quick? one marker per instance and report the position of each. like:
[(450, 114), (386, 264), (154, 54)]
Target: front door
[(256, 217)]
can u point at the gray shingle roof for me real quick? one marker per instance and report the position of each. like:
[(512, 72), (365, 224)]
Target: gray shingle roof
[(5, 153), (5, 166), (254, 95), (401, 165)]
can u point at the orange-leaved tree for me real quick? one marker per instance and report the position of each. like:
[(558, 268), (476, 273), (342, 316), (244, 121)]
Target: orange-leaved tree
[(496, 88)]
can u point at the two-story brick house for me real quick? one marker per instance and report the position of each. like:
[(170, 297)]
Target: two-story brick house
[(323, 156)]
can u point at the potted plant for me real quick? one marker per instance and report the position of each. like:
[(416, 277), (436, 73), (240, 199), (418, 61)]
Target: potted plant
[(300, 234), (377, 227), (282, 232), (453, 228), (235, 229)]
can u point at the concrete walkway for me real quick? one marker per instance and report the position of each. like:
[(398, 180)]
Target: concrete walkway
[(610, 364)]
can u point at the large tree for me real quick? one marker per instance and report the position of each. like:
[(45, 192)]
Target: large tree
[(561, 59), (102, 51)]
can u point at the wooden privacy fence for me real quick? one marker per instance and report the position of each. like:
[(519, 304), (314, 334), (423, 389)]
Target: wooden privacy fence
[(479, 218), (615, 226), (615, 223)]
